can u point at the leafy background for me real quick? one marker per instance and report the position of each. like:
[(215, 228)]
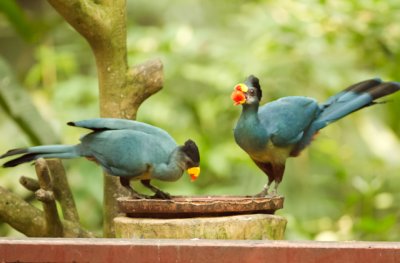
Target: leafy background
[(344, 187)]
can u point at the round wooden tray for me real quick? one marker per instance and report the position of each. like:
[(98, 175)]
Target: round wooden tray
[(199, 206)]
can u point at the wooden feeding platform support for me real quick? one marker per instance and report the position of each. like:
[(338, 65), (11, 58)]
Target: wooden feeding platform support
[(203, 217)]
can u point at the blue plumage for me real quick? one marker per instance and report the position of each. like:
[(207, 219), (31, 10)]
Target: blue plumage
[(129, 149), (283, 128)]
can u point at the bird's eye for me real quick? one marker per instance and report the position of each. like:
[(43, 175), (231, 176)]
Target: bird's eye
[(251, 92)]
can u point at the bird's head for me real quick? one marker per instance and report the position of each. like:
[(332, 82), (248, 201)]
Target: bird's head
[(191, 159), (248, 92)]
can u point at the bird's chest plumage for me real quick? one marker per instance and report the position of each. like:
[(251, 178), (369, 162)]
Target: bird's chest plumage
[(271, 154), (261, 149), (253, 138), (249, 138)]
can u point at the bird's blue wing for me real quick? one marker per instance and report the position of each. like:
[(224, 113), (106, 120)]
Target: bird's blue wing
[(101, 124), (126, 152), (287, 118)]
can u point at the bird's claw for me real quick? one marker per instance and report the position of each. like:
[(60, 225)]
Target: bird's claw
[(273, 194), (161, 195), (263, 193), (136, 195)]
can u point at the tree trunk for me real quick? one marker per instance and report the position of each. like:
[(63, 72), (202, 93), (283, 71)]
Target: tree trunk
[(121, 90)]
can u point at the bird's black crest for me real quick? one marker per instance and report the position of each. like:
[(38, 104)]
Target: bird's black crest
[(191, 150), (253, 81)]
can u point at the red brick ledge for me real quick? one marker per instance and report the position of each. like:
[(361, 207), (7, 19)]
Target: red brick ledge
[(204, 251)]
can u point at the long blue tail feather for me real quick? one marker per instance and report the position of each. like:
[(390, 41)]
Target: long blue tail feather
[(354, 98), (46, 151)]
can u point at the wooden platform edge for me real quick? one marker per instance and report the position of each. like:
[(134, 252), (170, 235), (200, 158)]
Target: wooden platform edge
[(162, 250)]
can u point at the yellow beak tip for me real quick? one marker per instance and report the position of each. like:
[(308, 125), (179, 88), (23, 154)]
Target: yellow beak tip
[(194, 173)]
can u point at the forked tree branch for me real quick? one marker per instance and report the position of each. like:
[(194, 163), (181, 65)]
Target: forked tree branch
[(62, 191), (121, 91), (29, 220), (45, 194)]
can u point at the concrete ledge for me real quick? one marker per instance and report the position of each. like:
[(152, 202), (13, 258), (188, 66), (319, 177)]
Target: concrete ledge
[(252, 227), (150, 250)]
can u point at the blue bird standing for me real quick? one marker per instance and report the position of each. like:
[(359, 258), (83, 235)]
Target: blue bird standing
[(129, 149), (283, 128)]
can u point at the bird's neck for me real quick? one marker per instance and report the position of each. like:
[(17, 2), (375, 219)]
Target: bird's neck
[(250, 111), (249, 132), (249, 117), (172, 170)]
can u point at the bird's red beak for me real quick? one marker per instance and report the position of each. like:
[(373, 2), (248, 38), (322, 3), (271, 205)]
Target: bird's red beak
[(238, 95)]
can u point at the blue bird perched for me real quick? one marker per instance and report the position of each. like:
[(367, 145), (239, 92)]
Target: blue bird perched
[(129, 149), (283, 128)]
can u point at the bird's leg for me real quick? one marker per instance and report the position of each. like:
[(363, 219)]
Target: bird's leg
[(125, 183), (264, 191), (275, 191), (157, 192)]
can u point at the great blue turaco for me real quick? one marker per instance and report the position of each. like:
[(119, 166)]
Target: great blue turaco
[(283, 128), (129, 149)]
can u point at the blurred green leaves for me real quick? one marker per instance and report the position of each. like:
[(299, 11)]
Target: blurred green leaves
[(16, 102), (344, 187), (18, 19)]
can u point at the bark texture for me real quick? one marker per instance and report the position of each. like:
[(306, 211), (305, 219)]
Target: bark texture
[(30, 220), (121, 89)]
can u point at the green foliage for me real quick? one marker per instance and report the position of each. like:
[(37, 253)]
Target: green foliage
[(343, 187), (17, 18)]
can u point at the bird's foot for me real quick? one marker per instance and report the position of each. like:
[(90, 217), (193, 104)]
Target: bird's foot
[(161, 195), (274, 193), (136, 195), (263, 193), (275, 190)]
